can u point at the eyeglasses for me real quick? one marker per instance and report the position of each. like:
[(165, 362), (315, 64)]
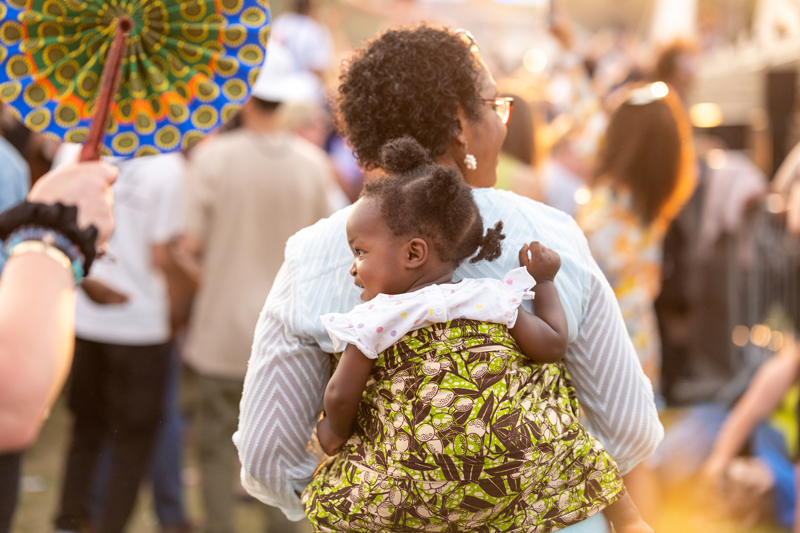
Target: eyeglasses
[(469, 40), (503, 105)]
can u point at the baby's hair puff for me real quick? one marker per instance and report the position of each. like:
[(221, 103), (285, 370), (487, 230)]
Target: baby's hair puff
[(421, 197)]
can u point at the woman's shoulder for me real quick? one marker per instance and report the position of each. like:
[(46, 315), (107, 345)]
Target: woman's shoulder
[(525, 211), (321, 239), (527, 220)]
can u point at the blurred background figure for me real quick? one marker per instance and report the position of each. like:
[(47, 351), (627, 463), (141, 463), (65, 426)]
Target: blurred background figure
[(645, 174), (15, 176), (515, 169), (250, 189), (308, 40), (310, 121), (564, 177), (122, 349), (37, 151), (676, 66)]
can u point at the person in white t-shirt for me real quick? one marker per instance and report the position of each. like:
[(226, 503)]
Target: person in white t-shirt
[(308, 41), (122, 347)]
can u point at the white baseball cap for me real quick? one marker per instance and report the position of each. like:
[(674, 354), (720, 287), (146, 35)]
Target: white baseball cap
[(281, 81)]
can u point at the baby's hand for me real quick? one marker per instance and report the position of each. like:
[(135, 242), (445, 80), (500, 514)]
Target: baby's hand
[(543, 263), (328, 440)]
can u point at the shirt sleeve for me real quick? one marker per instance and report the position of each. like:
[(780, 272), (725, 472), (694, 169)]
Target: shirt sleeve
[(615, 395), (376, 325), (517, 285), (281, 403), (342, 331)]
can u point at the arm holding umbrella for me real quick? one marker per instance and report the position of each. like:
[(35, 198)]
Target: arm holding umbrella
[(37, 305), (128, 79)]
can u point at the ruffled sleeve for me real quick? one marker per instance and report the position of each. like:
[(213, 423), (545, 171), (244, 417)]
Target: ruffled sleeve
[(517, 284), (343, 330), (376, 325)]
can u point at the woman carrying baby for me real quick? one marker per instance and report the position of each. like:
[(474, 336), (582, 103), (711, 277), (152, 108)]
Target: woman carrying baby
[(449, 409)]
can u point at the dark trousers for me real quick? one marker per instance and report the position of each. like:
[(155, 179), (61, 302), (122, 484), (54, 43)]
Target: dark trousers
[(217, 418), (166, 465), (10, 468), (117, 392)]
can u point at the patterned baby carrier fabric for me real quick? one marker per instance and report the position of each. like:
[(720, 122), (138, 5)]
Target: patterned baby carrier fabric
[(458, 431)]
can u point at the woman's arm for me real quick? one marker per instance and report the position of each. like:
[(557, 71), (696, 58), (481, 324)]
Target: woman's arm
[(37, 316), (37, 307), (282, 399), (342, 397), (615, 395), (543, 336)]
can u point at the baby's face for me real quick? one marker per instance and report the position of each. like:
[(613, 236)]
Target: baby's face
[(378, 254)]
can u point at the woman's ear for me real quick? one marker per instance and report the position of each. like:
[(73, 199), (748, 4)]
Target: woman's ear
[(416, 252), (460, 141), (457, 147)]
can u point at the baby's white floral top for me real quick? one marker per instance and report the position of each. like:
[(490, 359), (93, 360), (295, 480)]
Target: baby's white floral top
[(376, 325)]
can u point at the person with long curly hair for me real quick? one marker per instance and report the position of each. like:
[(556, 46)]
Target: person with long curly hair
[(431, 84)]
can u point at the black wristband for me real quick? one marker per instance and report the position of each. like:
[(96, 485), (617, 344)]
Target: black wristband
[(59, 217)]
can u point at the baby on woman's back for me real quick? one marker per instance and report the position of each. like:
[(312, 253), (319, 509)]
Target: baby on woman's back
[(449, 409)]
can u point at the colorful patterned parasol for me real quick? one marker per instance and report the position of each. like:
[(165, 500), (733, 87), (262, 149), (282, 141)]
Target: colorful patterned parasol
[(184, 67)]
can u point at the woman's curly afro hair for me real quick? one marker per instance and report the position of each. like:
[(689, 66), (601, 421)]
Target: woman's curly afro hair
[(421, 197), (408, 81)]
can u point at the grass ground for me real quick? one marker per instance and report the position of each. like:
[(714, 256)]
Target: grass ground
[(42, 482)]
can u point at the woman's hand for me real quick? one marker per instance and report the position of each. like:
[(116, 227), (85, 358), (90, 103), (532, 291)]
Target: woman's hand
[(328, 440), (542, 262), (85, 185)]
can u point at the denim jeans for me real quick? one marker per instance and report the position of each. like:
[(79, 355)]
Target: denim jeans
[(117, 394), (167, 467)]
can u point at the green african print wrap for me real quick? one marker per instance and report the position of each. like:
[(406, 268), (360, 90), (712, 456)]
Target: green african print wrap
[(458, 431)]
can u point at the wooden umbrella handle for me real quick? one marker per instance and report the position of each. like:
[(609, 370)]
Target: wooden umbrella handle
[(109, 81)]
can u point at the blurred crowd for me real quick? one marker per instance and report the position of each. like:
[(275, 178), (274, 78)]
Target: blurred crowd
[(702, 256)]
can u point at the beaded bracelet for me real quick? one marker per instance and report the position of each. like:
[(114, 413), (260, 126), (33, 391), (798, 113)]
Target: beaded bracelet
[(50, 241), (25, 247)]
